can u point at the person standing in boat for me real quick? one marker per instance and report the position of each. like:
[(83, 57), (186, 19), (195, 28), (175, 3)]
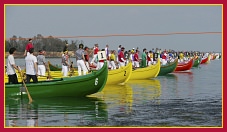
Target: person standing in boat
[(31, 67), (151, 56), (144, 58), (11, 66), (164, 58), (132, 57), (41, 61), (95, 51), (181, 56), (127, 56), (81, 60), (112, 60), (118, 51), (136, 59), (64, 50), (65, 63), (148, 58), (86, 56), (28, 47), (107, 55), (121, 57), (100, 63)]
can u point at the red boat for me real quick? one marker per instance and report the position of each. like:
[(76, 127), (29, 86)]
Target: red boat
[(183, 66), (204, 60)]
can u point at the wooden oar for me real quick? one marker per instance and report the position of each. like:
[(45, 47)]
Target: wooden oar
[(29, 96), (71, 68), (87, 67), (48, 71)]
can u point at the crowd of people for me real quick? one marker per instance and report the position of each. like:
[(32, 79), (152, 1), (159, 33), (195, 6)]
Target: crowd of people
[(37, 65)]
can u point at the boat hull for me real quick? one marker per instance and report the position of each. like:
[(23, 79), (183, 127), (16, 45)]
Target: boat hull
[(196, 62), (147, 72), (184, 66), (168, 68), (121, 75)]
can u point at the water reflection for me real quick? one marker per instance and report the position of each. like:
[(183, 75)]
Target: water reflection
[(185, 83), (146, 90), (118, 97), (56, 112)]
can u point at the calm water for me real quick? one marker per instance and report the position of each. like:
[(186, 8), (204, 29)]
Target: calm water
[(186, 99)]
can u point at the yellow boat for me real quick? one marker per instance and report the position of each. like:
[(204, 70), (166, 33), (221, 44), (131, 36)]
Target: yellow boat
[(121, 75), (147, 72)]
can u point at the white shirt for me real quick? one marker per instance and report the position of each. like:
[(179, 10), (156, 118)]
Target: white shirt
[(29, 62), (10, 68)]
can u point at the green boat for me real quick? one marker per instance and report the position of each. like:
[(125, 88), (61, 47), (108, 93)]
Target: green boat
[(196, 62), (168, 68), (77, 86)]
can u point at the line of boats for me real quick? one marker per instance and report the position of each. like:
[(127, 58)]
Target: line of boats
[(80, 86)]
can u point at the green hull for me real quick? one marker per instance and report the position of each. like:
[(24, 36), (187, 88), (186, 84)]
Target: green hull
[(196, 62), (64, 87), (168, 68)]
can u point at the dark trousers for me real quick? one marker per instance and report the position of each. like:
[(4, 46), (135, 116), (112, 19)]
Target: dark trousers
[(12, 79), (33, 77)]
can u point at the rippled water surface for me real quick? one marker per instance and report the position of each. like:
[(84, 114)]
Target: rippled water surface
[(188, 99)]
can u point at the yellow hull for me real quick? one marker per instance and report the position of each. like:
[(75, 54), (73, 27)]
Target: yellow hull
[(147, 72), (121, 75)]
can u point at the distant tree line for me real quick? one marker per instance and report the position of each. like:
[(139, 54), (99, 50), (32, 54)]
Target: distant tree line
[(49, 44)]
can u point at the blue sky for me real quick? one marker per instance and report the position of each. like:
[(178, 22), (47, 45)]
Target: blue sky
[(74, 20)]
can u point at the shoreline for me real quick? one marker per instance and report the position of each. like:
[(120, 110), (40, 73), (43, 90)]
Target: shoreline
[(47, 55)]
